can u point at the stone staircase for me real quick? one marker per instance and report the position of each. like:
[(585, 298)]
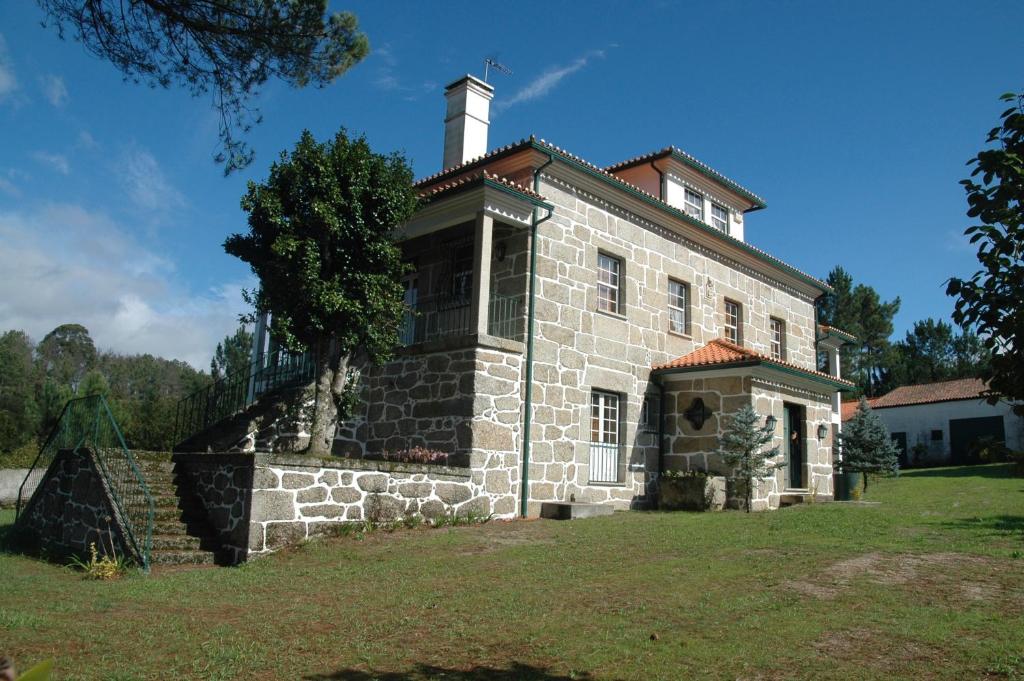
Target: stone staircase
[(181, 534)]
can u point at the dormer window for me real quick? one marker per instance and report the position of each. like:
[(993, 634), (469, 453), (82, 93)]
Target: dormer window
[(694, 204), (720, 217)]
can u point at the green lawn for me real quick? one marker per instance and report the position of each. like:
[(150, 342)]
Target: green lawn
[(929, 584)]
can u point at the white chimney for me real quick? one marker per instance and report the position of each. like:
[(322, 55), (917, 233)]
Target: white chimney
[(465, 124)]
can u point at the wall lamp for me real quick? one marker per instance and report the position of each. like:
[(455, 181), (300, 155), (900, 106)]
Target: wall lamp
[(822, 431), (769, 423)]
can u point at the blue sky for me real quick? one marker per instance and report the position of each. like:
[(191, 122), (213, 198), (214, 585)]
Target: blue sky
[(853, 120)]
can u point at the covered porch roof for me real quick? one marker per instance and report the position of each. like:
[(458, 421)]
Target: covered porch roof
[(721, 355), (462, 199)]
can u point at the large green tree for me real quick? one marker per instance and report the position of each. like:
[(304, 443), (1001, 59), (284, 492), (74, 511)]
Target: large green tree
[(990, 300), (858, 309), (65, 355), (232, 354), (224, 48), (933, 351), (321, 230), (19, 412)]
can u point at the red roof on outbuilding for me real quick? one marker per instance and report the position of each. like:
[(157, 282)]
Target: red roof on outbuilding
[(946, 391)]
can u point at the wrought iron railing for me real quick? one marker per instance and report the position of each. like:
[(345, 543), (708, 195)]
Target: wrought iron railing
[(86, 423), (444, 316), (235, 392)]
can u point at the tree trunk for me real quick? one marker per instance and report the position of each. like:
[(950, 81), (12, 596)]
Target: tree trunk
[(750, 493), (865, 481), (332, 370)]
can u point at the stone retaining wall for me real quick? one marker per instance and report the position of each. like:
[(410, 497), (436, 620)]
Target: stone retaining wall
[(262, 502)]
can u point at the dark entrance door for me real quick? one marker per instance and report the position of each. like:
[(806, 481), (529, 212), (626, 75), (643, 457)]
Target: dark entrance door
[(900, 440), (964, 433), (792, 420)]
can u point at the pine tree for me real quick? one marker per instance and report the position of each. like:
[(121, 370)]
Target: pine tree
[(742, 449), (866, 444)]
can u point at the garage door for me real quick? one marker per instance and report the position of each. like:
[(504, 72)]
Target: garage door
[(963, 433)]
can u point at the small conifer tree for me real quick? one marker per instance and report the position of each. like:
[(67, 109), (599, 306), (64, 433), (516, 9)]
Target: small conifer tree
[(866, 444), (742, 448)]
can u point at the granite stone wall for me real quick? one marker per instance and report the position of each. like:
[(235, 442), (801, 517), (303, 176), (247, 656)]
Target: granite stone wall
[(296, 498), (690, 448), (222, 485), (422, 398), (261, 502), (72, 509), (579, 349)]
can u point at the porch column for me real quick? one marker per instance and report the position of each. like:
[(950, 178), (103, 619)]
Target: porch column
[(833, 369), (481, 273)]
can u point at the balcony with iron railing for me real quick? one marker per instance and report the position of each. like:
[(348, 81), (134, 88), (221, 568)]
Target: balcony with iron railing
[(438, 317)]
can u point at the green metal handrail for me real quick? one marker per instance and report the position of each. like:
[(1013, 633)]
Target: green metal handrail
[(86, 423), (233, 393)]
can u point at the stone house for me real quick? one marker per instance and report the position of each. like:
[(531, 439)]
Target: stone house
[(574, 330)]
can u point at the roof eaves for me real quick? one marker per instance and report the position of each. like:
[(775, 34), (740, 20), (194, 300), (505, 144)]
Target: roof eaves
[(607, 177), (816, 376), (692, 162), (488, 180)]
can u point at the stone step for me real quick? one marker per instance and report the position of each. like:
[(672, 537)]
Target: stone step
[(177, 557), (177, 542), (559, 510)]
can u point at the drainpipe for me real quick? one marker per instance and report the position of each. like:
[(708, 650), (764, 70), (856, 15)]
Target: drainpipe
[(661, 181), (661, 430), (524, 483)]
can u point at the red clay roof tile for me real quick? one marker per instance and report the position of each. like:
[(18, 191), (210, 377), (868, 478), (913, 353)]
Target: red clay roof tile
[(723, 353), (945, 391)]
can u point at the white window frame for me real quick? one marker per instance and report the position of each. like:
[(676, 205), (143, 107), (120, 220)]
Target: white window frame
[(734, 322), (605, 440), (693, 203), (777, 329), (609, 284), (720, 221), (675, 324)]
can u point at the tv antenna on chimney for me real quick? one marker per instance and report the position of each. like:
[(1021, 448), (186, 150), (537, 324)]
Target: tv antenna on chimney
[(491, 63)]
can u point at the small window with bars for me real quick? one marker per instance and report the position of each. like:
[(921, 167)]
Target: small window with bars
[(720, 217), (678, 307), (732, 322), (609, 292), (694, 204), (778, 345)]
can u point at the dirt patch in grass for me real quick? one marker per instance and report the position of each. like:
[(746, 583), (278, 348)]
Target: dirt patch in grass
[(951, 577), (875, 650)]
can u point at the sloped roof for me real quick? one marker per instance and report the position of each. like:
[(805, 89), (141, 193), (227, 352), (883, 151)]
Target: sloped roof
[(532, 142), (699, 166), (945, 391), (482, 177), (833, 330), (721, 353)]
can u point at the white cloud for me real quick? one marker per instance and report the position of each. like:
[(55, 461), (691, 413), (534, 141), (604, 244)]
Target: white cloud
[(65, 264), (57, 162), (8, 81), (388, 80), (547, 81), (54, 89), (143, 180), (87, 141)]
